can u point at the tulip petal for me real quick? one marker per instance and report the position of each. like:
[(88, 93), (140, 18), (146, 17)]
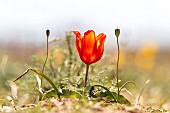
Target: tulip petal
[(100, 38), (99, 47), (100, 42), (78, 40), (77, 33), (87, 45), (95, 56)]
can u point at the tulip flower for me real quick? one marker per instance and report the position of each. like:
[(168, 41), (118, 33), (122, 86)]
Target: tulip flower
[(90, 47)]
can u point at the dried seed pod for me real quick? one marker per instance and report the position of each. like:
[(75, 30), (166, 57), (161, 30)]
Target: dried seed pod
[(117, 32), (47, 33)]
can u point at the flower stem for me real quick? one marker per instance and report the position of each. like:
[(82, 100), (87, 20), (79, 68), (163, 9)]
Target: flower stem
[(117, 69), (86, 77), (45, 59)]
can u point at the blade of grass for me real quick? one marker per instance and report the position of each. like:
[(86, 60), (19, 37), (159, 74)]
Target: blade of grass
[(126, 83), (42, 75), (146, 84)]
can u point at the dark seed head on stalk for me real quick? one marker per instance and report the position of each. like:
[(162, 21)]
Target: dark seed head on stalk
[(117, 32), (47, 33)]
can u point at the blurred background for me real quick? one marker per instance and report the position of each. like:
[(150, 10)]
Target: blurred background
[(144, 38), (140, 21), (23, 23)]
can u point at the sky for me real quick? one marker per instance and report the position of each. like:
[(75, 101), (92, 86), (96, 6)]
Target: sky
[(140, 21)]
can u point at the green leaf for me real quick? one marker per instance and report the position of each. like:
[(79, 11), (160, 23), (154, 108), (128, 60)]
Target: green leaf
[(109, 93), (40, 74), (70, 93), (126, 83), (49, 94), (122, 99), (67, 93)]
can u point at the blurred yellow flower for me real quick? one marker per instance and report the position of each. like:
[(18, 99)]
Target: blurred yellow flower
[(145, 57)]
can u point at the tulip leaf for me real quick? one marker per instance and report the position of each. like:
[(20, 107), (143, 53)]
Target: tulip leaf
[(42, 75), (67, 93), (50, 93), (122, 99), (108, 95), (107, 90), (126, 83)]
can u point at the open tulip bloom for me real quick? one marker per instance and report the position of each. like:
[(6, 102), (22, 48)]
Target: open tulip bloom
[(90, 47)]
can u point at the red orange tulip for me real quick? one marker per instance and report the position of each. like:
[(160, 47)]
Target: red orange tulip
[(89, 46)]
